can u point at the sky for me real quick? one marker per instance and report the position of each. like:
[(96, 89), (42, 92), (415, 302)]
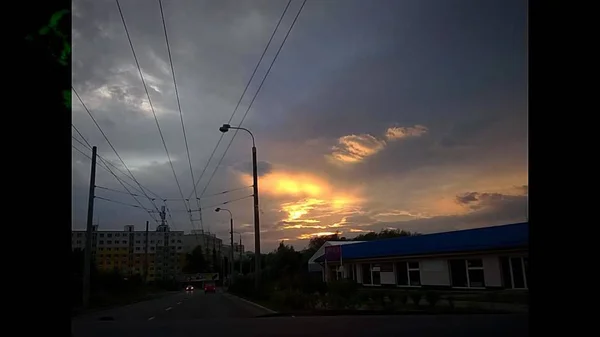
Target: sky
[(376, 114)]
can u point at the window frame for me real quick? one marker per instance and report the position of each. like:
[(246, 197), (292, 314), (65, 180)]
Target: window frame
[(512, 277), (408, 270), (467, 269)]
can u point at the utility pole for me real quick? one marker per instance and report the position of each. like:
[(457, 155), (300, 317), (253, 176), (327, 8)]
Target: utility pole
[(88, 236), (231, 239), (256, 217), (146, 256), (240, 248)]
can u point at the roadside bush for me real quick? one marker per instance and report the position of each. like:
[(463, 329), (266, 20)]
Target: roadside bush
[(292, 299), (450, 300), (402, 298), (416, 296), (432, 297), (343, 288)]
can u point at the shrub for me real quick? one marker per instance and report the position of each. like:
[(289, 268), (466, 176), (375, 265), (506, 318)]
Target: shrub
[(416, 296), (432, 297), (450, 300), (343, 288), (402, 298)]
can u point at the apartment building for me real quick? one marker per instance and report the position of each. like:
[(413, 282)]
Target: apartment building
[(206, 240), (125, 251)]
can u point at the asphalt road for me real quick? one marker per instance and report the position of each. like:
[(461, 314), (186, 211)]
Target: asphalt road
[(180, 306), (197, 314)]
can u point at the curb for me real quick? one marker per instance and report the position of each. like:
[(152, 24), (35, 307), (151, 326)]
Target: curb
[(252, 303)]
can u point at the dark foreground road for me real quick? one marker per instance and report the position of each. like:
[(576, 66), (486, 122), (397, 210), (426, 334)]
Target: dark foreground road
[(221, 314)]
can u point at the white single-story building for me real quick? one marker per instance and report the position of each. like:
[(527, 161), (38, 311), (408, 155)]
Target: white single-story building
[(314, 266), (482, 258)]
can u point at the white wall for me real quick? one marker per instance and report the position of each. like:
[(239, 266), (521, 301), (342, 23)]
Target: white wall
[(491, 271), (388, 277), (435, 272)]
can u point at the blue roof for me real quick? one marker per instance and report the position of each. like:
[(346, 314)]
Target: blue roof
[(487, 238)]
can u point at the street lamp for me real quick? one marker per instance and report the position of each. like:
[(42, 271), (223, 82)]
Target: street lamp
[(224, 129), (218, 209)]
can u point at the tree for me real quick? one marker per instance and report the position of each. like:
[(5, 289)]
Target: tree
[(316, 242), (387, 233), (195, 262)]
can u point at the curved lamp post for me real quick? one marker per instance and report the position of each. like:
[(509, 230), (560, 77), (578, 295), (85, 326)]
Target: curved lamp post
[(224, 128)]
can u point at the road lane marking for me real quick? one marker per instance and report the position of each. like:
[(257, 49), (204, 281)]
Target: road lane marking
[(151, 318), (178, 302), (169, 308)]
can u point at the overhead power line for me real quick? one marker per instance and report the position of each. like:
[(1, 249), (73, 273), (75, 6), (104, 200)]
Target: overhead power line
[(119, 202), (112, 147), (255, 95), (215, 205), (149, 99), (120, 181), (107, 162), (187, 148), (229, 201), (244, 92)]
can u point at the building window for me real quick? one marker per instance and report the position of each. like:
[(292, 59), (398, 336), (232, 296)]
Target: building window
[(78, 235), (371, 273), (137, 248), (138, 241), (116, 241), (108, 248), (467, 273), (101, 235), (117, 234), (101, 242), (515, 272), (408, 274), (109, 242), (152, 248), (109, 235), (151, 241)]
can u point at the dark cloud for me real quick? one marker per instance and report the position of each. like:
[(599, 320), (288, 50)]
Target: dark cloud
[(262, 167), (457, 69), (491, 209)]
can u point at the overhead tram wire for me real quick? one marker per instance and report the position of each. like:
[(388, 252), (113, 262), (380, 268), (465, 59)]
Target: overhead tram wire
[(112, 147), (255, 95), (187, 148), (244, 92), (119, 202), (121, 182), (116, 177), (149, 100), (218, 204), (107, 162), (105, 167)]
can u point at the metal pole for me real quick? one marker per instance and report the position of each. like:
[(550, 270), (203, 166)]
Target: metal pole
[(231, 250), (88, 236), (256, 220), (240, 248), (146, 258)]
